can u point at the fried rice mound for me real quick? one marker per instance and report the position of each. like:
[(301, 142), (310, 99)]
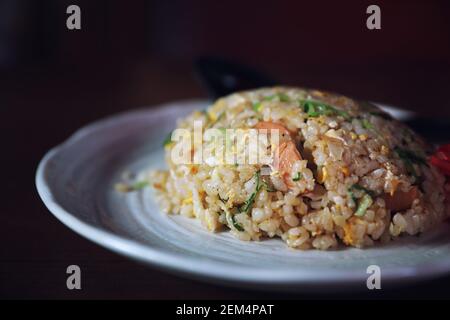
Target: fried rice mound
[(345, 172)]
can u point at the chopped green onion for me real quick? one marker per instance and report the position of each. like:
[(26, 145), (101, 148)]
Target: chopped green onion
[(139, 185), (168, 139), (352, 196), (297, 176), (257, 106), (314, 109), (281, 97), (236, 224), (361, 188), (231, 220), (248, 204), (343, 114), (365, 202), (366, 124), (310, 109)]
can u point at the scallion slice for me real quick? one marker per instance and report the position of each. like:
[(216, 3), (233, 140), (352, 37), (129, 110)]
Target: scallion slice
[(365, 202), (314, 109), (297, 176)]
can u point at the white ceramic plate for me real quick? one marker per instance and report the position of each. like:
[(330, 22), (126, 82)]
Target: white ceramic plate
[(76, 182)]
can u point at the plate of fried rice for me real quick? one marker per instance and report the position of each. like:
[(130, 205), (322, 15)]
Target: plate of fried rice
[(280, 187)]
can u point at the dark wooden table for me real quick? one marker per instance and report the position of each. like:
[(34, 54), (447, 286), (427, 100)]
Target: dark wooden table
[(41, 107)]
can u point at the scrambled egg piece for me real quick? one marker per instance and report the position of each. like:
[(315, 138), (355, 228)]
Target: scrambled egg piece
[(322, 175), (187, 200), (212, 115)]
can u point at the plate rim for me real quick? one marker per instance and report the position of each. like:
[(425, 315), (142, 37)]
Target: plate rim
[(213, 270)]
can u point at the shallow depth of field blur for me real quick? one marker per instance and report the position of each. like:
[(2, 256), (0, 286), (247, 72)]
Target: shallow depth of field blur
[(130, 54)]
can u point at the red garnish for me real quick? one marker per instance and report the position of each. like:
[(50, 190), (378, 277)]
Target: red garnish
[(441, 159), (442, 156), (445, 148)]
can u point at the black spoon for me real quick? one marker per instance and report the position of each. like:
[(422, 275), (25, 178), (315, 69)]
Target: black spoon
[(221, 77)]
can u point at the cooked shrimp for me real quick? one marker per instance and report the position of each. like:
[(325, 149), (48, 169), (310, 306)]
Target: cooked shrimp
[(286, 154), (401, 200), (284, 159)]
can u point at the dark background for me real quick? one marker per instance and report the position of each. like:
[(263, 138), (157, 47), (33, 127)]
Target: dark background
[(134, 53)]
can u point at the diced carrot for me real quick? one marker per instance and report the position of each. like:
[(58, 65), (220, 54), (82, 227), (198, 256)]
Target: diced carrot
[(401, 200), (284, 159), (273, 125)]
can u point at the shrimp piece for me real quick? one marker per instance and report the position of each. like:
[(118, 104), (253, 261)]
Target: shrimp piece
[(286, 154), (401, 200), (284, 159)]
